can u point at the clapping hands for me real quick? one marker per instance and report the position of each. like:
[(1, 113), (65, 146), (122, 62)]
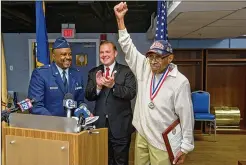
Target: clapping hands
[(102, 80)]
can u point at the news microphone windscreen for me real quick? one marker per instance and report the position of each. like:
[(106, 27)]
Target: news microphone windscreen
[(68, 96), (68, 101), (83, 108), (80, 110), (25, 104)]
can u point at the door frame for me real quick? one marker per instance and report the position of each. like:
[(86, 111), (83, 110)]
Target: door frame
[(31, 41)]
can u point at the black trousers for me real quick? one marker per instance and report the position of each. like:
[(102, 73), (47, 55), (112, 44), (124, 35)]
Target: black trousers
[(118, 149)]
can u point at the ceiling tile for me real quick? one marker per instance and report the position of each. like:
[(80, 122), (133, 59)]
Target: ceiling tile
[(205, 15), (227, 23), (202, 5), (193, 22), (203, 19), (240, 14), (217, 32)]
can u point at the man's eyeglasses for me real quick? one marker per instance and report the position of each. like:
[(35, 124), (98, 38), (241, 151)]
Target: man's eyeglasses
[(156, 58)]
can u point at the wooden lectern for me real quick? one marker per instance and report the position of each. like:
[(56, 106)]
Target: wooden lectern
[(25, 146)]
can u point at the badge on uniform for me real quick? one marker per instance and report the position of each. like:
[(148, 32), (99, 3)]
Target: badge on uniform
[(53, 87), (77, 88)]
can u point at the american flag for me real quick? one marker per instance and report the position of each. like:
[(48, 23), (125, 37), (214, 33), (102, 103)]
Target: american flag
[(161, 24)]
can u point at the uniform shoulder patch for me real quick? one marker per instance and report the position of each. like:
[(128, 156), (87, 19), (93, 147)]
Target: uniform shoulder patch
[(75, 69), (44, 67)]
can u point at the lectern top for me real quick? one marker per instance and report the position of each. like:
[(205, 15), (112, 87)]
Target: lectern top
[(41, 122)]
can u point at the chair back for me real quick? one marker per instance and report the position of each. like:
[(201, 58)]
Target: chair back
[(201, 101)]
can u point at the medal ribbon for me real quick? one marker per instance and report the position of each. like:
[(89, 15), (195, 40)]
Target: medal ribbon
[(154, 90)]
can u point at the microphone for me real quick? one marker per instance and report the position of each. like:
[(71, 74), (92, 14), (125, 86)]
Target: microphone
[(81, 120), (84, 110), (89, 117), (69, 103), (24, 105)]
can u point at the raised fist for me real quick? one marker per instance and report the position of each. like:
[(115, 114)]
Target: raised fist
[(120, 10)]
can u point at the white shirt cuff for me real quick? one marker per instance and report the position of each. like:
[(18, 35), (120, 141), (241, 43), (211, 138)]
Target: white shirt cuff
[(186, 147), (98, 91)]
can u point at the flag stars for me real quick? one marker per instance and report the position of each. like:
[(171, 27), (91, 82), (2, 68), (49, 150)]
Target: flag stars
[(161, 22)]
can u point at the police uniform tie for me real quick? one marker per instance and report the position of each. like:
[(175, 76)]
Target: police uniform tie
[(64, 78)]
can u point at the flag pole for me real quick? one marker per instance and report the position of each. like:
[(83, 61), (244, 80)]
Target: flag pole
[(4, 91)]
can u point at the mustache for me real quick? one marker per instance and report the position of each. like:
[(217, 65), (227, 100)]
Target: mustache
[(154, 65), (67, 59)]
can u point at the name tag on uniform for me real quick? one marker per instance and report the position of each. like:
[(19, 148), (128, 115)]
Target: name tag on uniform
[(53, 87), (77, 88)]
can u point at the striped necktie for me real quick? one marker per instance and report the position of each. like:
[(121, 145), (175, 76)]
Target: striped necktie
[(65, 81)]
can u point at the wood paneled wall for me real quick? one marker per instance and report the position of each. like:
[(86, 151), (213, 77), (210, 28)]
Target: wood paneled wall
[(226, 79), (221, 72), (190, 63)]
